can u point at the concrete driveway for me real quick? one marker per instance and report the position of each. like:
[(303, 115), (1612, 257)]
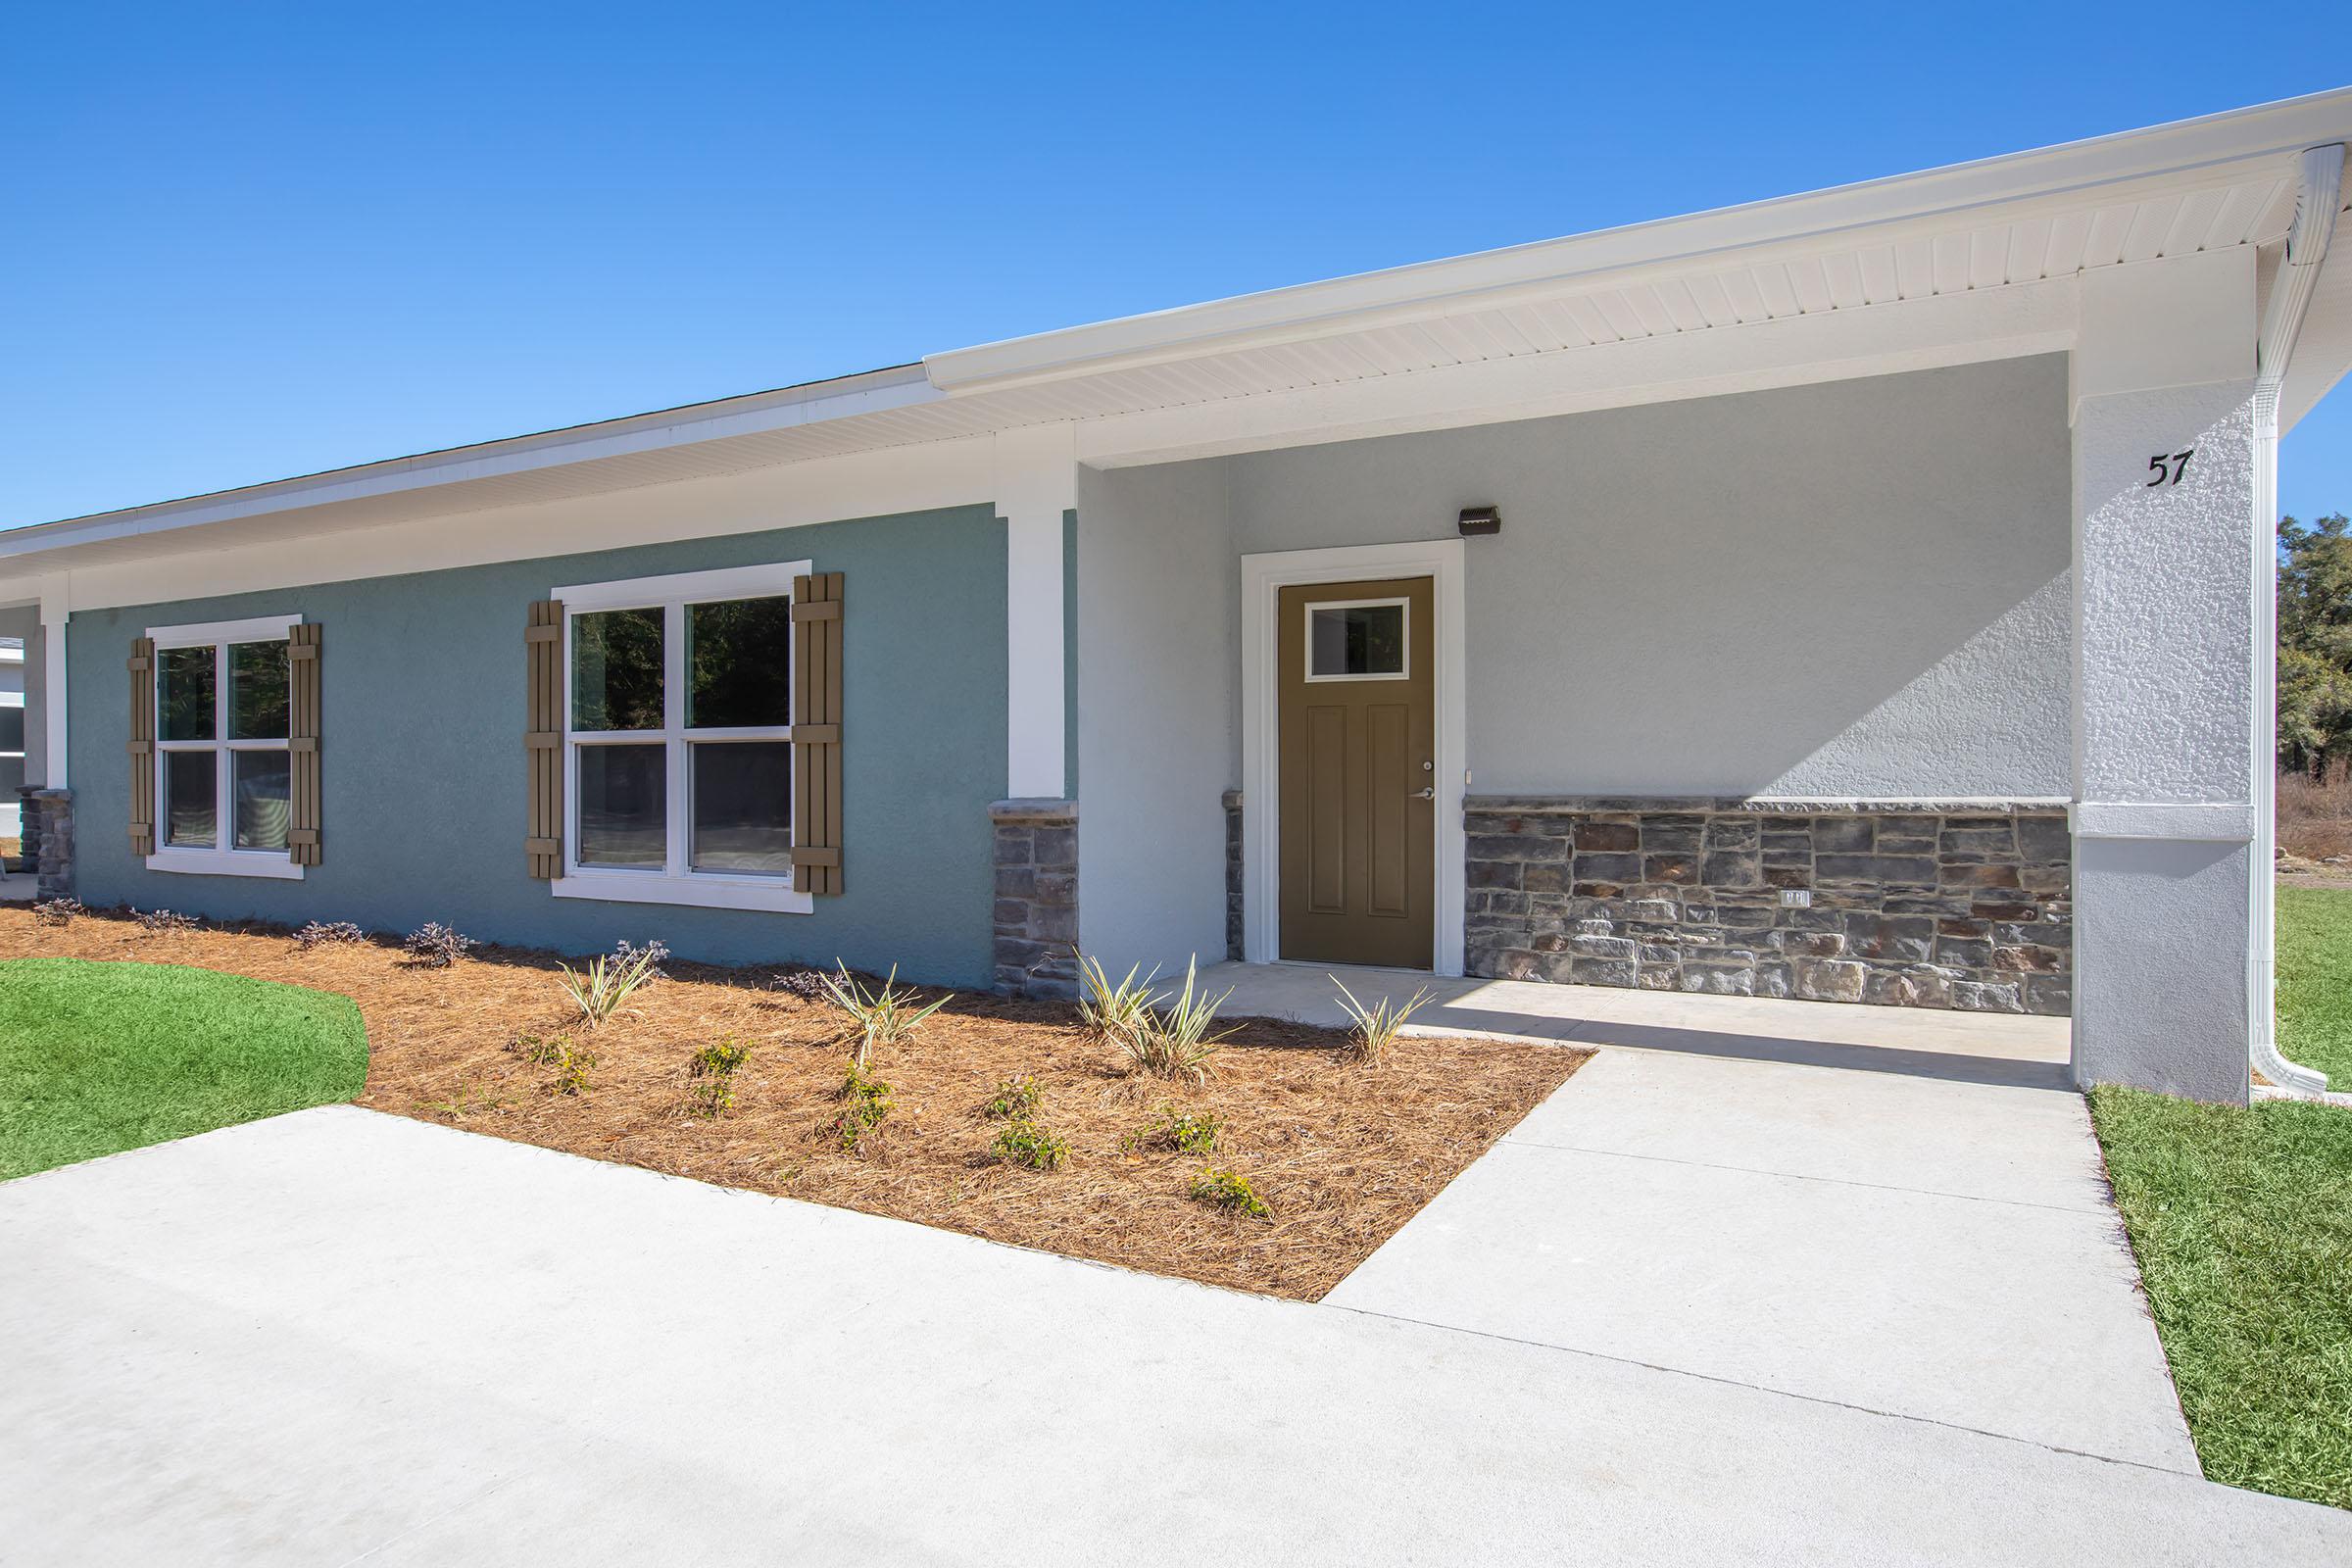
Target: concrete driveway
[(337, 1337)]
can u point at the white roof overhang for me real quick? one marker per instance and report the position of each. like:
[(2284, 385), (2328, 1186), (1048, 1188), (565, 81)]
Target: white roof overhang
[(1973, 262)]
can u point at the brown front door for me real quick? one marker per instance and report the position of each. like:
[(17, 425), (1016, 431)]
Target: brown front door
[(1358, 812)]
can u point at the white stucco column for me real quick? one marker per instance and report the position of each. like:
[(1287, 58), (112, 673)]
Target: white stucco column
[(2167, 652), (1036, 482), (49, 671)]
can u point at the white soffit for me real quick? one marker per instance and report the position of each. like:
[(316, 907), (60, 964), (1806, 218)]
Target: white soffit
[(1972, 229)]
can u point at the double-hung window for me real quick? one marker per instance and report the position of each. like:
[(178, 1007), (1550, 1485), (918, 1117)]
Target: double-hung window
[(679, 739), (223, 705)]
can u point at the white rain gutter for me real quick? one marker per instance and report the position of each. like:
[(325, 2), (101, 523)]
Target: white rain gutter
[(2318, 197)]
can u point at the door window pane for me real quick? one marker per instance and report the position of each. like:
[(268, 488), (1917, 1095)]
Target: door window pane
[(185, 694), (256, 691), (616, 669), (11, 729), (743, 807), (260, 779), (1356, 640), (623, 821), (189, 791), (739, 653)]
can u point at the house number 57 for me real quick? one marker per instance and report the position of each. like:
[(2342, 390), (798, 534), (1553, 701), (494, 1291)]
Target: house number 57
[(2168, 470)]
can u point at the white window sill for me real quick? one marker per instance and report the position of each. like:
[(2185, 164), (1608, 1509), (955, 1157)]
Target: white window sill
[(771, 895), (227, 862)]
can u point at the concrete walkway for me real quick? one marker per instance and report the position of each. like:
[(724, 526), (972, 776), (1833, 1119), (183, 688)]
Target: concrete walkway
[(1882, 1208), (341, 1338)]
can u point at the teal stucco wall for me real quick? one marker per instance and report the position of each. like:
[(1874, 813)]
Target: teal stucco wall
[(423, 687)]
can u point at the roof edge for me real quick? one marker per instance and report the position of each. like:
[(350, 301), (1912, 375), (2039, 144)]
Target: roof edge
[(2179, 147), (805, 403)]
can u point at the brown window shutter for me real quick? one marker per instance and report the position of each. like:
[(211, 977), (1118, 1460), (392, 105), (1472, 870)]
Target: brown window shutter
[(304, 801), (142, 746), (816, 733), (543, 740)]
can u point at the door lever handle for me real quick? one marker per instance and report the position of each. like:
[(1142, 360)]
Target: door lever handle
[(1427, 791)]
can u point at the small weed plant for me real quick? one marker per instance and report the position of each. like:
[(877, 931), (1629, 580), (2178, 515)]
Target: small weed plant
[(711, 1077), (1230, 1190), (572, 1065), (1015, 1098), (883, 1015), (1113, 1012), (328, 934), (1377, 1026), (864, 1101), (56, 911), (600, 987), (434, 945), (1188, 1132), (1023, 1142), (165, 922), (806, 984), (1172, 1039)]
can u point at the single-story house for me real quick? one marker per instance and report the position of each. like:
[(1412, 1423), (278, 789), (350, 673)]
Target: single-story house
[(1860, 596)]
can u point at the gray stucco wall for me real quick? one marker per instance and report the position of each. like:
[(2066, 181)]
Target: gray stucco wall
[(1859, 588), (1159, 742), (423, 762), (1855, 589)]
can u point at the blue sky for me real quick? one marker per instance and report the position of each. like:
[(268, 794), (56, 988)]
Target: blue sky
[(252, 240)]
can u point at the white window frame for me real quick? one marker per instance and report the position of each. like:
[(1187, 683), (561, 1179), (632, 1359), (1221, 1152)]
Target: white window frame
[(223, 858), (677, 882), (1402, 673)]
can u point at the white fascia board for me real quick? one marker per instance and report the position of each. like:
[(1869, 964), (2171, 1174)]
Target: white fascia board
[(2006, 322), (2188, 154), (875, 392)]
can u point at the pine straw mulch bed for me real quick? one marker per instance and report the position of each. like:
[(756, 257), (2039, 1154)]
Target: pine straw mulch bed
[(1343, 1155)]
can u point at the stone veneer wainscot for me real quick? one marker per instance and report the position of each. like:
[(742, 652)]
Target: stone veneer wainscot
[(1035, 912), (1930, 904)]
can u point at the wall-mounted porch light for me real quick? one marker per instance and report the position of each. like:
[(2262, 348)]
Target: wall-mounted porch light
[(1480, 519)]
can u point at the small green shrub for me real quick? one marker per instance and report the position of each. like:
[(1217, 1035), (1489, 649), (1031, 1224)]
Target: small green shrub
[(1376, 1026), (1016, 1098), (1230, 1190), (1172, 1037), (572, 1065), (711, 1077), (864, 1101), (1112, 1012), (882, 1017), (600, 989), (1023, 1142), (1189, 1131)]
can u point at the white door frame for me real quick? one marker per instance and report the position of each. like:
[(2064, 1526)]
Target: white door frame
[(1264, 577)]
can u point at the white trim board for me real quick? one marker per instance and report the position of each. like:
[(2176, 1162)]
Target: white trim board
[(1264, 577)]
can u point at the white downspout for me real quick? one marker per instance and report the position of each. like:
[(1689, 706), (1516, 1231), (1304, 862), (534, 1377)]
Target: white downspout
[(2321, 195)]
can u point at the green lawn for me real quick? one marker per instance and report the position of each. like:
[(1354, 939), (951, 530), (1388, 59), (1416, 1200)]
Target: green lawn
[(2315, 981), (100, 1057), (2242, 1219)]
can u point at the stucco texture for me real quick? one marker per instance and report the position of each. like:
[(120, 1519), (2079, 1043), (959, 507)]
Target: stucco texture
[(423, 684), (1858, 588), (1862, 588)]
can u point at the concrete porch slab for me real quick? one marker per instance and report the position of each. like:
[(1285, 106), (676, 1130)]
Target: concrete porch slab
[(343, 1338)]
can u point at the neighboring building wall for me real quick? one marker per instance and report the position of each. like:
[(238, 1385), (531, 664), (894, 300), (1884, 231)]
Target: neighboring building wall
[(1158, 736), (424, 758)]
